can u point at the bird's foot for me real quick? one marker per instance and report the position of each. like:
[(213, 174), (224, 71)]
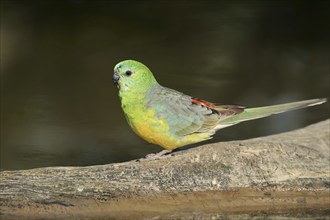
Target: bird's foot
[(157, 156)]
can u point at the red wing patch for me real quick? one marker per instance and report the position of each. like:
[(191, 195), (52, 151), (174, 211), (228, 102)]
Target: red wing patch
[(203, 103)]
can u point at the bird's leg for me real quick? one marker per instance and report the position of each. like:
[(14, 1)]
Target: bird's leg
[(158, 155)]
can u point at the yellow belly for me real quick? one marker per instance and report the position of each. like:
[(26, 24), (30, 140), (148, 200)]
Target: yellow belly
[(157, 131)]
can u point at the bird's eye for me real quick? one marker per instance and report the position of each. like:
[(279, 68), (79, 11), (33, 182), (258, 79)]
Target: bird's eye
[(128, 73)]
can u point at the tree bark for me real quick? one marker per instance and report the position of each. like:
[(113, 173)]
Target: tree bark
[(283, 173)]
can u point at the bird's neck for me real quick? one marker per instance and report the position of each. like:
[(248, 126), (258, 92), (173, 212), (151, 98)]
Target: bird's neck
[(137, 98)]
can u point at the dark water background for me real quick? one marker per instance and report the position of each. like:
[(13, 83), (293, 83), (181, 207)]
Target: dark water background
[(60, 108)]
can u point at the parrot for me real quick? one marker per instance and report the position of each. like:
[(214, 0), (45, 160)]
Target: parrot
[(172, 119)]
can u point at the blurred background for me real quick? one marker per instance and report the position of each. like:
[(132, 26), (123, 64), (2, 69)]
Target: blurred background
[(59, 106)]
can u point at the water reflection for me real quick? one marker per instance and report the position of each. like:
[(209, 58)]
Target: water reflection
[(58, 104)]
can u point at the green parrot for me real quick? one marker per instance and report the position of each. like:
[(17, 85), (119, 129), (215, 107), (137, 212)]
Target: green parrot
[(172, 119)]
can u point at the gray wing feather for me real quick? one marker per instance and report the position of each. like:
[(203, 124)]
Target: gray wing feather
[(183, 116)]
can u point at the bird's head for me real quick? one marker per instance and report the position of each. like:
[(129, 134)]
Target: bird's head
[(133, 76)]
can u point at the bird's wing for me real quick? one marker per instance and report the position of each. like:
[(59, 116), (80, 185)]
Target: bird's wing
[(186, 115)]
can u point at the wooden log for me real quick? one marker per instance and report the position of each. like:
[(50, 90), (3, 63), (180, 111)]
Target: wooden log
[(283, 173)]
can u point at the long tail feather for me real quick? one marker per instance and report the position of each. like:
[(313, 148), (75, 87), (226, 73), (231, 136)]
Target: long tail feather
[(261, 112)]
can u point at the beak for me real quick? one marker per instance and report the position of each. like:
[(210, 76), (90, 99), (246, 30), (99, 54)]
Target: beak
[(115, 78)]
